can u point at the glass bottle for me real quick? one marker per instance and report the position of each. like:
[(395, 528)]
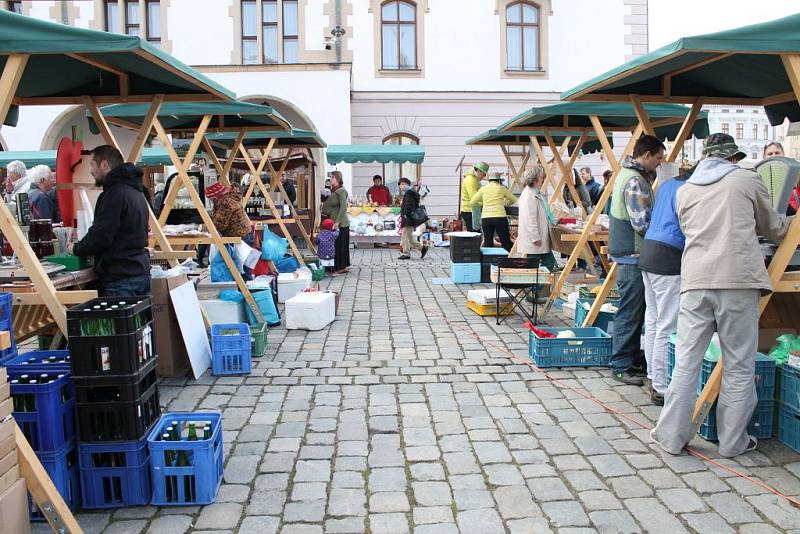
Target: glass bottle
[(192, 432)]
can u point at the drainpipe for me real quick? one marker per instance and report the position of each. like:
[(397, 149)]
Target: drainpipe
[(64, 13), (338, 30)]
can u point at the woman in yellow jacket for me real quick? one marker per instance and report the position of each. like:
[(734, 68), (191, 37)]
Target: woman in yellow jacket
[(494, 198)]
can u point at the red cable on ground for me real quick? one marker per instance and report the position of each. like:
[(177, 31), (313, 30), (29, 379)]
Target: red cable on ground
[(697, 454)]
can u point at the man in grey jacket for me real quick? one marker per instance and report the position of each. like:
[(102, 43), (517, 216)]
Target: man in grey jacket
[(722, 209)]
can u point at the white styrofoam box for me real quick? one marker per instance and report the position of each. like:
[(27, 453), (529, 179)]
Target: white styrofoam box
[(223, 311), (486, 296), (310, 311), (568, 310), (290, 284)]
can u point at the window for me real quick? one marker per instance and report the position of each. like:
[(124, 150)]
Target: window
[(132, 17), (755, 131), (290, 32), (154, 22), (269, 30), (112, 16), (16, 7), (739, 130), (399, 35), (249, 35), (725, 128), (522, 37), (766, 131), (393, 171)]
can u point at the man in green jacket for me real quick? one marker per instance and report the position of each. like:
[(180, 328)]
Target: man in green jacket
[(470, 186)]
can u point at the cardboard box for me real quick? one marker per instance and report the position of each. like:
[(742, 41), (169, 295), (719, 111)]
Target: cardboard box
[(7, 445), (8, 461), (172, 357), (6, 428), (767, 337), (5, 339), (14, 517), (3, 375), (5, 389), (6, 407), (8, 478)]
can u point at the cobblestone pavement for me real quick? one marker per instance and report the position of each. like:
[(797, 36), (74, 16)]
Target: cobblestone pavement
[(393, 420)]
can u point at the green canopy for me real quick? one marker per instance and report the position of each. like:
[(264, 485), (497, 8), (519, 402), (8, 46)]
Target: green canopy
[(740, 63), (259, 139), (186, 116), (375, 154), (67, 63), (150, 156), (495, 137), (613, 115)]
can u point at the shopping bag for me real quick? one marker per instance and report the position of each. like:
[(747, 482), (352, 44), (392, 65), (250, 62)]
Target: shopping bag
[(273, 247)]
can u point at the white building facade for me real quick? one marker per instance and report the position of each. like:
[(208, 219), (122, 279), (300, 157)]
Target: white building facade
[(432, 72), (747, 124)]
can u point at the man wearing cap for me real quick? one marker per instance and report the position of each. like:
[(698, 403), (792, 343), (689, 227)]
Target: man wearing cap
[(470, 186), (722, 209)]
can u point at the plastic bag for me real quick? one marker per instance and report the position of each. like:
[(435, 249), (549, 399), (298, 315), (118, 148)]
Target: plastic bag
[(219, 270), (273, 247), (266, 303), (289, 264), (788, 345)]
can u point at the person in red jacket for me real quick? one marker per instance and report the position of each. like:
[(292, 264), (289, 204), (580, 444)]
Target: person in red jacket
[(379, 193)]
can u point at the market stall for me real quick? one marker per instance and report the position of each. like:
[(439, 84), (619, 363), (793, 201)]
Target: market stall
[(756, 65), (196, 119), (369, 223), (44, 63)]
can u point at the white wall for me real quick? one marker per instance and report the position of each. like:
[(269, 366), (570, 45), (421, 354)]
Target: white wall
[(85, 13), (31, 127), (201, 31), (40, 10), (463, 47)]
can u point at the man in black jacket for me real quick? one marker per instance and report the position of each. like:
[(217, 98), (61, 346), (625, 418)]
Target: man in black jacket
[(118, 237), (408, 241)]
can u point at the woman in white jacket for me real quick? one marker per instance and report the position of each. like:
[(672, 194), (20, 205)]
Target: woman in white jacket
[(535, 220)]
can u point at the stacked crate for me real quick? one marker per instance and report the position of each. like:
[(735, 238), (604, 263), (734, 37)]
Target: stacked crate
[(113, 362), (490, 256), (8, 346), (465, 255), (13, 495), (789, 406)]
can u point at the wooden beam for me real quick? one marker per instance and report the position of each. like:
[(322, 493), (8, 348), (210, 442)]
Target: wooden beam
[(605, 289), (570, 164), (64, 297), (124, 84), (642, 115), (565, 173), (9, 82), (685, 131), (661, 99), (601, 136), (109, 99), (144, 131), (212, 156), (667, 78), (100, 121), (229, 164)]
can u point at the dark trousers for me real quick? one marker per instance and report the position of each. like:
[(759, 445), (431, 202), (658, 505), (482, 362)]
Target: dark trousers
[(466, 218), (137, 286), (625, 341), (342, 259), (496, 224)]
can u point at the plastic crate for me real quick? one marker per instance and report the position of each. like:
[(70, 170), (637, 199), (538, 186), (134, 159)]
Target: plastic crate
[(198, 481), (6, 303), (789, 390), (604, 320), (465, 248), (590, 347), (62, 467), (122, 354), (671, 356), (230, 349), (465, 273), (760, 424), (44, 412), (789, 426), (764, 376), (117, 387), (44, 342), (117, 421), (258, 339), (130, 315), (38, 361), (585, 293), (490, 310), (115, 474), (473, 256), (72, 263)]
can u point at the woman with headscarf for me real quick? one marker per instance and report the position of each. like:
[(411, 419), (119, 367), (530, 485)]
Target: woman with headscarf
[(494, 198), (335, 208)]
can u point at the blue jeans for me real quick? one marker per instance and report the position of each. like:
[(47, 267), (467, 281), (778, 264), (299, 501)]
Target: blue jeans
[(625, 341), (137, 286)]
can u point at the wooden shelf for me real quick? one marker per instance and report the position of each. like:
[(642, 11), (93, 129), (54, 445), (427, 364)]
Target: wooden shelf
[(789, 283), (202, 240)]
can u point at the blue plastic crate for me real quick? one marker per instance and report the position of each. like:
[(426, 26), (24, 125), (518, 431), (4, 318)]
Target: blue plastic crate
[(670, 357), (6, 304), (494, 251), (62, 467), (38, 361), (591, 347), (465, 273), (230, 349), (764, 377), (604, 320), (789, 426), (198, 481), (760, 424), (44, 412), (114, 474), (789, 390)]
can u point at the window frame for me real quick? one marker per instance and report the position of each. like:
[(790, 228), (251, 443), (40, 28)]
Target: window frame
[(261, 25), (247, 38), (739, 131), (147, 29), (127, 25), (522, 25), (289, 37), (399, 23), (15, 3), (119, 5), (725, 128), (401, 135)]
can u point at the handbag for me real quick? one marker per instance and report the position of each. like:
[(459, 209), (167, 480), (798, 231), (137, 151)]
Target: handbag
[(418, 217)]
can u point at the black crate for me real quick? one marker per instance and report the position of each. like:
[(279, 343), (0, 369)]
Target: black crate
[(117, 421), (131, 314), (486, 273), (460, 246), (116, 388), (112, 355), (466, 257)]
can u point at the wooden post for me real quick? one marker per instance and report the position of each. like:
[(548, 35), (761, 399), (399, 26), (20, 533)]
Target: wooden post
[(145, 128), (566, 173), (686, 129), (641, 114), (214, 160), (257, 172), (9, 81)]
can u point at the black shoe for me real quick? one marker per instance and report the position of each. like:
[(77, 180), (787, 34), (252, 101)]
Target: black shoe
[(424, 251), (627, 378), (637, 369), (404, 257), (656, 398)]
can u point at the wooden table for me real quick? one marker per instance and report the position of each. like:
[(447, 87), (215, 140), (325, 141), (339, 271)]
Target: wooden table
[(565, 239)]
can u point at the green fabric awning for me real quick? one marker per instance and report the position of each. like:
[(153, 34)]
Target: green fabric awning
[(54, 70), (375, 154), (186, 116), (150, 156), (495, 137), (743, 62), (259, 139), (611, 114)]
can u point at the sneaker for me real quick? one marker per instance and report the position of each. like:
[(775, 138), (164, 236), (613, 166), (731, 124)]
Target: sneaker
[(404, 257), (656, 398), (424, 251), (637, 369), (752, 444), (627, 378)]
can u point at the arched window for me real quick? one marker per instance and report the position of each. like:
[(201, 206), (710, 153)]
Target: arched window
[(399, 35), (393, 171), (522, 37)]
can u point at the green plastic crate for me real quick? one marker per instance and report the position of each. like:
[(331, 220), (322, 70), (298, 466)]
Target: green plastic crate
[(72, 263), (258, 339)]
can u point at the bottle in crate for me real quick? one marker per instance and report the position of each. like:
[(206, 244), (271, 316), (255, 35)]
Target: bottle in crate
[(43, 407), (114, 474)]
